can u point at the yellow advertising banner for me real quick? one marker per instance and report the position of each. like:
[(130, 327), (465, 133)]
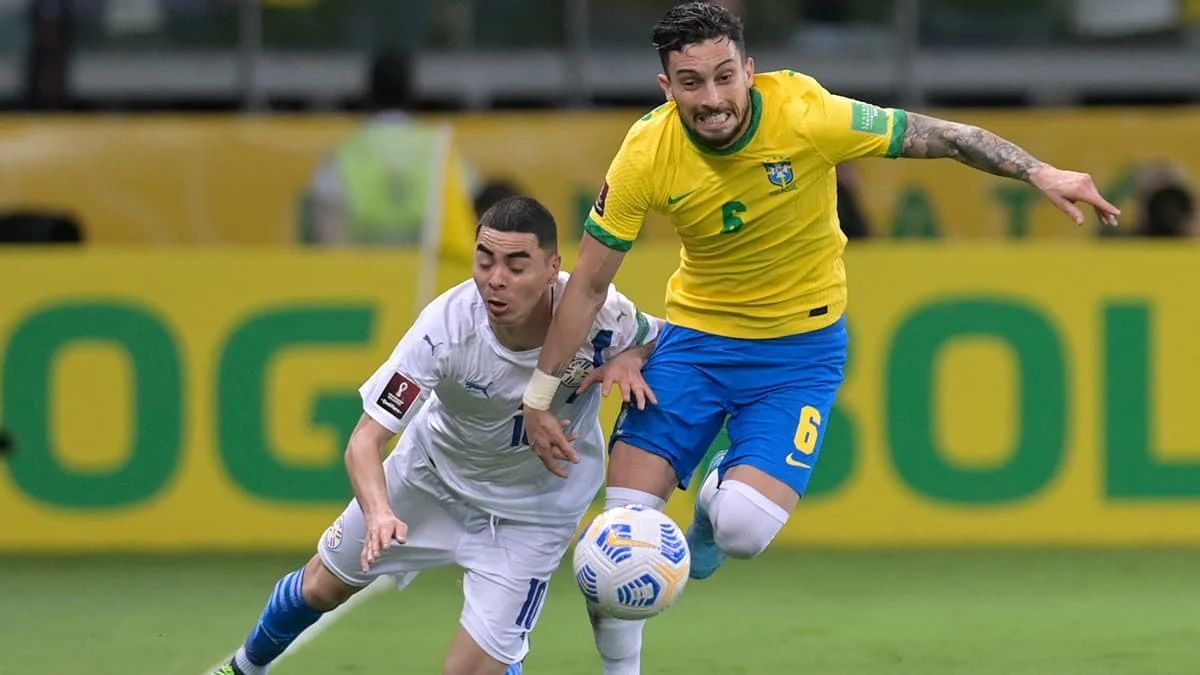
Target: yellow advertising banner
[(175, 180), (996, 394)]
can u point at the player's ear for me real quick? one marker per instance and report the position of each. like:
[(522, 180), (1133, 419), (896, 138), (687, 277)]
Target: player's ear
[(555, 265), (750, 70), (665, 83)]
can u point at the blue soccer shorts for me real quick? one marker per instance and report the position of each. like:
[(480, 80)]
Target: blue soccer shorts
[(775, 396)]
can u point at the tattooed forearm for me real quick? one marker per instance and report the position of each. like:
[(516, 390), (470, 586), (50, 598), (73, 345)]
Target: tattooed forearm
[(929, 137)]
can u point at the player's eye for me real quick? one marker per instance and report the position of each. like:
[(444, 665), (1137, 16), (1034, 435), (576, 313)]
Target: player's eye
[(725, 77)]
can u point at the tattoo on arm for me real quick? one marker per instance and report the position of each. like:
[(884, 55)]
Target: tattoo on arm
[(929, 137)]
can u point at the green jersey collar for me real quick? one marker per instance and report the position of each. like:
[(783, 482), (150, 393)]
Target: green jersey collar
[(755, 117)]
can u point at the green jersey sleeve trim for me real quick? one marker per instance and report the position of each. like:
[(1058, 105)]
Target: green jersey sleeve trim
[(899, 126), (643, 329), (596, 230), (756, 106)]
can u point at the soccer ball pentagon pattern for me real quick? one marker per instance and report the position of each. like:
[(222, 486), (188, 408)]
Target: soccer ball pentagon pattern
[(631, 562)]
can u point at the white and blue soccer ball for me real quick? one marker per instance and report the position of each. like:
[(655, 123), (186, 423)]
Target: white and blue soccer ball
[(631, 562)]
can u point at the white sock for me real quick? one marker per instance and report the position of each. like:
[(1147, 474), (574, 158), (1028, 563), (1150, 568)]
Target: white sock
[(744, 521), (243, 664), (620, 641), (708, 491), (619, 496)]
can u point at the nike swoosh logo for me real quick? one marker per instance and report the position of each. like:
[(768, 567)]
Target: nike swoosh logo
[(618, 540), (671, 201), (795, 462)]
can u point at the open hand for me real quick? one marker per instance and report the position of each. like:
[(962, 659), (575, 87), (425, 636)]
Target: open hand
[(382, 531), (625, 372), (1065, 188)]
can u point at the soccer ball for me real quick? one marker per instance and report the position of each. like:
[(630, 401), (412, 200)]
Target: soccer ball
[(631, 562)]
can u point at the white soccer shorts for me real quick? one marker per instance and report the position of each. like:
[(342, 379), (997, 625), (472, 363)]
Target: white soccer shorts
[(508, 563)]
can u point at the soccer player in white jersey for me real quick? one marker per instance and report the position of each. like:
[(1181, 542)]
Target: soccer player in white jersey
[(462, 486)]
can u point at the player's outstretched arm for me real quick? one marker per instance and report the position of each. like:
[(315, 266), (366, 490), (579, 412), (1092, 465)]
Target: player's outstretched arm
[(582, 299), (929, 137), (370, 487)]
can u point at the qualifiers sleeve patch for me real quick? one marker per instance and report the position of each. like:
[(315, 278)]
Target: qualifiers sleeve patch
[(398, 395), (868, 118)]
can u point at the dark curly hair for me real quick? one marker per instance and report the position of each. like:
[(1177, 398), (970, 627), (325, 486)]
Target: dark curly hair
[(694, 22)]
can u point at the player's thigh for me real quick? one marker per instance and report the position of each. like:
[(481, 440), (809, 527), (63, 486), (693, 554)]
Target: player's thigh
[(466, 657), (779, 428), (508, 571), (434, 534), (691, 403)]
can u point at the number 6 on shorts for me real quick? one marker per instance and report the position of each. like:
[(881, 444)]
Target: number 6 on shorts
[(808, 430)]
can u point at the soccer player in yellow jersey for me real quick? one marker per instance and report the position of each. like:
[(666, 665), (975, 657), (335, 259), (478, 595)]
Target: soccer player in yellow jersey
[(744, 166)]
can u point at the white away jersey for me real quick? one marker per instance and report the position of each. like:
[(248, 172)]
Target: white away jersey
[(455, 392)]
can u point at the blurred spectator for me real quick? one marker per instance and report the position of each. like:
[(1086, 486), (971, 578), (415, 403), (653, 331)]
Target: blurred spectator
[(1166, 203), (48, 60), (35, 227), (849, 208), (493, 191), (396, 181), (825, 11), (1170, 212)]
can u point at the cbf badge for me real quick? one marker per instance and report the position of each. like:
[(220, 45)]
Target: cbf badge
[(780, 174)]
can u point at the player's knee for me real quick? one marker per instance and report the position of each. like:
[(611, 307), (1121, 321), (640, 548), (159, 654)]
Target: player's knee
[(322, 590), (744, 521)]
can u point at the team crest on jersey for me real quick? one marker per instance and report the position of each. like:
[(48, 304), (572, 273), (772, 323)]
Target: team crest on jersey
[(780, 174), (578, 370)]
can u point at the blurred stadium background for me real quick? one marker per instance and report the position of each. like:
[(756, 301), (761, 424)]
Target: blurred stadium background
[(201, 273)]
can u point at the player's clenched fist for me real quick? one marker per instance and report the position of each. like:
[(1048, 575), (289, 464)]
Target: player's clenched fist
[(383, 530)]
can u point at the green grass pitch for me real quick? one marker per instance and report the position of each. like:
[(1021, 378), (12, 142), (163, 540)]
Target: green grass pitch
[(791, 611)]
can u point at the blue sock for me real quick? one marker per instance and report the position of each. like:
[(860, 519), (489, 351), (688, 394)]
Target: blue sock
[(285, 617)]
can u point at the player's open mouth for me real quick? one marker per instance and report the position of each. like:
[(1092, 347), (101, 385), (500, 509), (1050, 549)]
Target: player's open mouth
[(714, 120), (497, 307)]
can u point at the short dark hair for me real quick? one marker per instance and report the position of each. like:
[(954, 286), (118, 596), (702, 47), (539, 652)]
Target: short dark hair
[(522, 214), (692, 23), (390, 81)]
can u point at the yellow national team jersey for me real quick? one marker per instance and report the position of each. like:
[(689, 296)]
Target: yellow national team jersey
[(762, 247)]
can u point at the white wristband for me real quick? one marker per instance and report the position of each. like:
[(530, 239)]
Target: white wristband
[(541, 390)]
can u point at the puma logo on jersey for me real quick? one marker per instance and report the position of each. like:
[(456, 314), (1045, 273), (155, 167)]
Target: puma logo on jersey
[(478, 388), (432, 345)]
